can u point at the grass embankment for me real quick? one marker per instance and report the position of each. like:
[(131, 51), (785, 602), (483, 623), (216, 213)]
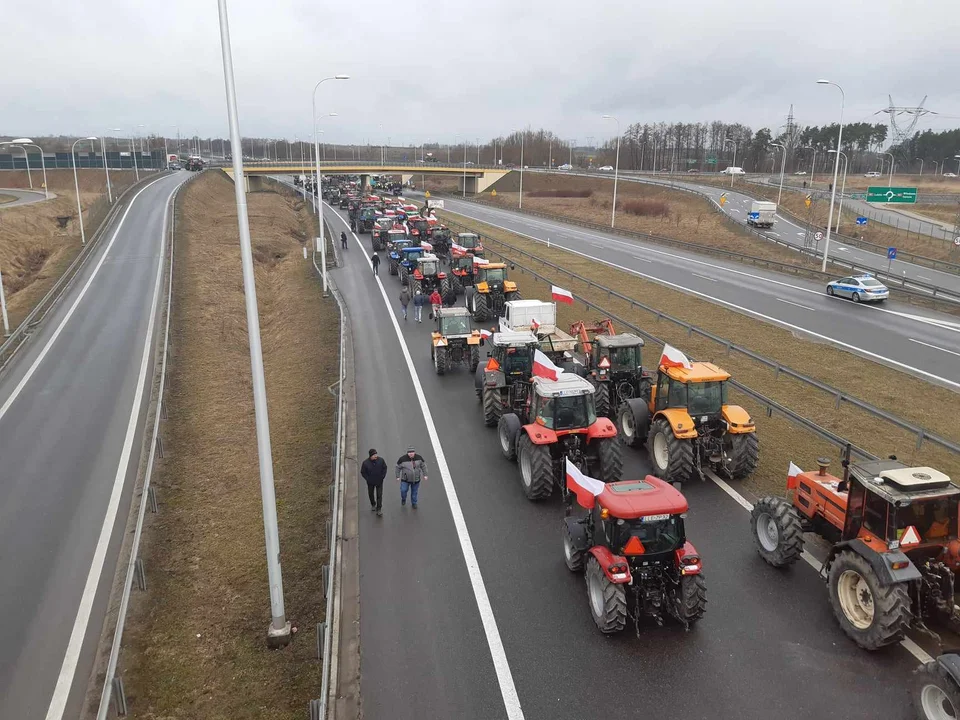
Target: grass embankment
[(4, 199), (781, 442), (195, 641), (34, 249)]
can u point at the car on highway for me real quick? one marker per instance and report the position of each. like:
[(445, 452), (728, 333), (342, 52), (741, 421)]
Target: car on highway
[(800, 172), (949, 174), (872, 173), (565, 166), (606, 168), (859, 288)]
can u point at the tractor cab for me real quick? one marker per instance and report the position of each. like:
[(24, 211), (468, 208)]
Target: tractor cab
[(455, 322), (512, 354), (491, 289), (419, 227), (563, 405), (409, 256), (616, 368), (470, 242), (699, 392), (441, 237), (428, 277), (502, 382), (455, 340)]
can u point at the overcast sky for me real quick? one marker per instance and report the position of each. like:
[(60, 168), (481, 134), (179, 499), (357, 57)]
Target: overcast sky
[(428, 71)]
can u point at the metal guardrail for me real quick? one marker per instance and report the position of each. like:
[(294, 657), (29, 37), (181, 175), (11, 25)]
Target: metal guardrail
[(779, 368), (22, 333), (949, 299)]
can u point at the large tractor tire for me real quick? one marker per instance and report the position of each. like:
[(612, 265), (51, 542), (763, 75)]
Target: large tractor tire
[(474, 357), (935, 694), (573, 555), (536, 469), (402, 273), (515, 295), (416, 286), (633, 422), (777, 531), (478, 378), (508, 430), (872, 615), (393, 267), (492, 406), (692, 599), (607, 600), (672, 458), (441, 361), (601, 397), (444, 287), (481, 307), (457, 285), (744, 452), (609, 459)]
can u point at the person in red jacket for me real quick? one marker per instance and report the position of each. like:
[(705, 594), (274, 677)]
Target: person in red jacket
[(436, 301)]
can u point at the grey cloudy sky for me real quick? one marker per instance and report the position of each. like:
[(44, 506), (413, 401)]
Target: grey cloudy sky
[(430, 70)]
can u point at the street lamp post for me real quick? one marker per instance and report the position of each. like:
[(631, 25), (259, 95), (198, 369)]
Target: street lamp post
[(836, 169), (736, 146), (278, 634), (813, 163), (76, 184), (464, 168), (43, 163), (26, 159), (316, 148), (783, 161), (616, 172), (3, 309), (133, 156), (936, 167), (522, 133), (843, 187), (890, 180), (921, 165), (957, 158)]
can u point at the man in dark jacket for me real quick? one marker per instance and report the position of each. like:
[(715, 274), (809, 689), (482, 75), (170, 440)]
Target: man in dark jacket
[(375, 261), (374, 470), (411, 469)]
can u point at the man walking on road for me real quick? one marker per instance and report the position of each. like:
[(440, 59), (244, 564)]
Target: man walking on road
[(376, 263), (404, 300), (419, 300), (374, 470), (435, 302), (411, 469)]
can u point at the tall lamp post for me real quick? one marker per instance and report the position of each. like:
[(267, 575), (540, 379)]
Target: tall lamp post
[(843, 187), (316, 154), (106, 165), (464, 167), (921, 165), (76, 184), (26, 159), (813, 162), (278, 634), (43, 164), (736, 146), (936, 167), (616, 172), (957, 158), (836, 169), (890, 180), (522, 133), (783, 161)]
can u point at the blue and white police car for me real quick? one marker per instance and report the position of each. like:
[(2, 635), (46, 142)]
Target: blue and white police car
[(859, 288)]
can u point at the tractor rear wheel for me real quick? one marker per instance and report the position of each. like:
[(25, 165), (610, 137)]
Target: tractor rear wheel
[(441, 360), (515, 295), (492, 406), (693, 598), (402, 273), (870, 614), (536, 469), (416, 287), (935, 693), (671, 457), (777, 531), (602, 399), (444, 287), (481, 307), (609, 459), (633, 422), (393, 267), (573, 555), (743, 450), (508, 429), (457, 285), (474, 357), (607, 600)]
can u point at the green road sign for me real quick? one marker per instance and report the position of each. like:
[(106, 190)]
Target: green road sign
[(891, 195), (711, 161)]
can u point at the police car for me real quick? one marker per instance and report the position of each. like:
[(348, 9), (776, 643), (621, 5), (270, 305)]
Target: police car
[(859, 288)]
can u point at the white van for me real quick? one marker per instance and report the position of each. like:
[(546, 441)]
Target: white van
[(732, 171)]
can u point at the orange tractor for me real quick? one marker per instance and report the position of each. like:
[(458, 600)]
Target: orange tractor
[(895, 544), (613, 365)]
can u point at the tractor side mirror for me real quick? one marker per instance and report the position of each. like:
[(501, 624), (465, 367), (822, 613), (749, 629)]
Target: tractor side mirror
[(488, 352), (512, 266)]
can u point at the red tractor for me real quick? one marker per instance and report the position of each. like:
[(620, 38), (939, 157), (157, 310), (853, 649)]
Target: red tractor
[(632, 546), (461, 268), (557, 421)]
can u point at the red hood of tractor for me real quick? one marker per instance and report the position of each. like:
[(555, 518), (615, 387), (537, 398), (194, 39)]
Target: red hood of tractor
[(632, 499)]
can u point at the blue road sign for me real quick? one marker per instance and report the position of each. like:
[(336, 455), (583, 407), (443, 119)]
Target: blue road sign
[(754, 215), (891, 253), (861, 220)]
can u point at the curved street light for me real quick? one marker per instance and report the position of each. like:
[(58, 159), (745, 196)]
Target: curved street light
[(736, 146), (890, 181), (616, 172), (43, 164), (836, 169), (783, 161), (76, 183), (843, 186), (316, 154)]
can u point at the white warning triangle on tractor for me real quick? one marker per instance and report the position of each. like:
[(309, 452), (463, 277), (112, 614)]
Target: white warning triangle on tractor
[(910, 536)]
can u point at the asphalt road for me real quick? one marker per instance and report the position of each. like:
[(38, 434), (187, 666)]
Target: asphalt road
[(768, 646), (70, 424), (24, 197), (922, 342)]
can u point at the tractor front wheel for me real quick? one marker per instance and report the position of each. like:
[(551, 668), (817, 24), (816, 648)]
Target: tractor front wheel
[(508, 429), (777, 531), (416, 287), (609, 459), (743, 451), (870, 614), (935, 694), (515, 295), (602, 399), (441, 360), (633, 422), (474, 357), (481, 307), (536, 469), (693, 598), (492, 406), (608, 601), (573, 554), (671, 457)]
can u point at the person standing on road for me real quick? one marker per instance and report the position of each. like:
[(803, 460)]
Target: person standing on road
[(436, 302), (343, 240), (375, 259), (404, 300), (419, 300), (374, 470), (411, 470)]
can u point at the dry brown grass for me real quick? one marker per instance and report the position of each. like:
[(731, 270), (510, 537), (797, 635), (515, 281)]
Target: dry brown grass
[(942, 213), (877, 384), (195, 643), (34, 250), (4, 199)]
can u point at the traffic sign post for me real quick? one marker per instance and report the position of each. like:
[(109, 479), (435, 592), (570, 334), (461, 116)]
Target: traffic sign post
[(807, 200), (861, 220), (426, 194), (493, 193), (891, 195), (723, 199), (956, 241), (891, 256), (754, 215)]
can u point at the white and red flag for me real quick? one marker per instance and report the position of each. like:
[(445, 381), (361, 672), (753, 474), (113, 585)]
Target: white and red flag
[(793, 473), (543, 367), (674, 358), (585, 488), (561, 295), (485, 333)]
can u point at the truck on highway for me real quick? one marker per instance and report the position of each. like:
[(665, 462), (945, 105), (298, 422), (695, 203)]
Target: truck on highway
[(540, 318), (762, 214)]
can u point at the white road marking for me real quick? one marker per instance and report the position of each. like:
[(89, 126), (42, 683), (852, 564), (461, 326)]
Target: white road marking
[(935, 347), (789, 302), (909, 645), (637, 257), (68, 669), (922, 277), (508, 690), (774, 233), (843, 249), (596, 244), (801, 233), (704, 277)]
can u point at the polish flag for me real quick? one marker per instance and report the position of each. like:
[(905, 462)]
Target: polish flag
[(480, 261), (543, 367), (426, 246), (485, 333), (585, 488), (561, 295), (674, 358), (793, 473), (458, 248)]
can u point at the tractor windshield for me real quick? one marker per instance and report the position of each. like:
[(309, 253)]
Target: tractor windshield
[(429, 268), (455, 325), (368, 213), (705, 398), (934, 519), (465, 262), (625, 358), (517, 361), (657, 533), (495, 276), (567, 413), (468, 241)]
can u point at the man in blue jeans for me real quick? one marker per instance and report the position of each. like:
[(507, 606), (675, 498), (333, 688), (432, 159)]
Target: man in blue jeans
[(411, 470)]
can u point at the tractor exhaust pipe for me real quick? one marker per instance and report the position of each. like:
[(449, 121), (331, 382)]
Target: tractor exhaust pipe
[(822, 465)]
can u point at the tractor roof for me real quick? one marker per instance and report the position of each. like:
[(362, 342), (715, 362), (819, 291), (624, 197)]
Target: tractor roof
[(511, 338), (700, 372), (635, 499), (412, 250), (458, 311), (396, 231), (427, 257), (469, 235), (566, 385), (895, 482), (621, 340), (492, 266)]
